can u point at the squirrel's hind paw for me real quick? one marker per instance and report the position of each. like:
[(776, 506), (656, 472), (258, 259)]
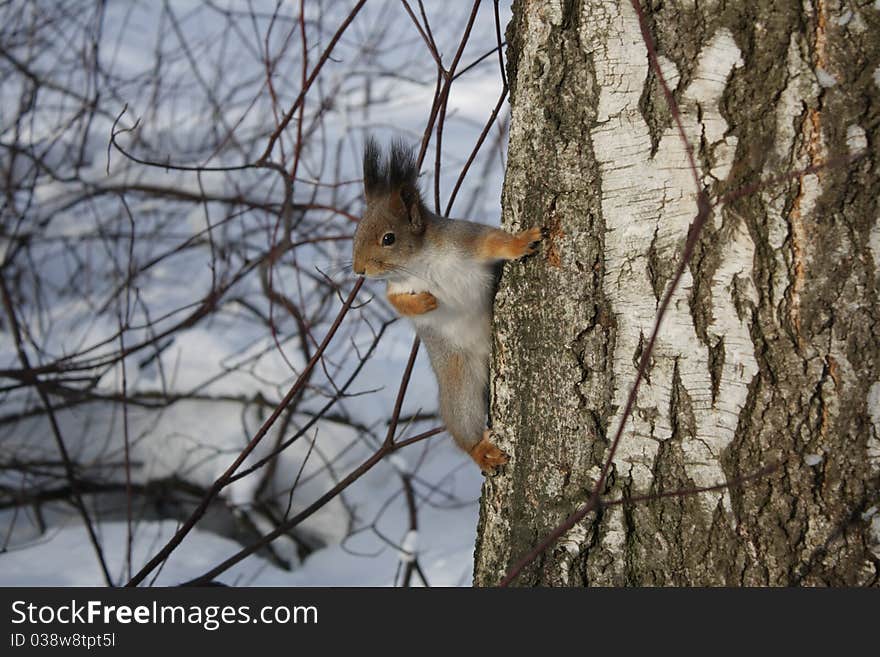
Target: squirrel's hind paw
[(487, 455)]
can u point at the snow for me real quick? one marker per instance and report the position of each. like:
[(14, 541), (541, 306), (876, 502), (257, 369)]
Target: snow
[(64, 557), (362, 534), (410, 546)]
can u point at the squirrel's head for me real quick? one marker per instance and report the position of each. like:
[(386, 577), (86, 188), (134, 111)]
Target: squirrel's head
[(390, 234)]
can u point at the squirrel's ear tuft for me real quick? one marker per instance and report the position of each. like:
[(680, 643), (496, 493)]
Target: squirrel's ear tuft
[(396, 174), (374, 173), (403, 171)]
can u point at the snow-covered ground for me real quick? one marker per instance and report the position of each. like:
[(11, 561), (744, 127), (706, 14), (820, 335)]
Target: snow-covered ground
[(222, 364)]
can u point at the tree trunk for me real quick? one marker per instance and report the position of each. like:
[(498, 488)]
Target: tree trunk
[(769, 353)]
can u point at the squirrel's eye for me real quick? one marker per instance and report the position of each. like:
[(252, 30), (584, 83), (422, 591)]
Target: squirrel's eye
[(388, 239)]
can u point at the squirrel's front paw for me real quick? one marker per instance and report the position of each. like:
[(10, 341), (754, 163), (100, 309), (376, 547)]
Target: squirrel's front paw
[(424, 301), (528, 240), (487, 455), (413, 303)]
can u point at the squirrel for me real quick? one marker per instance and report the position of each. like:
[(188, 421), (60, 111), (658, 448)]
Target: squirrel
[(441, 275)]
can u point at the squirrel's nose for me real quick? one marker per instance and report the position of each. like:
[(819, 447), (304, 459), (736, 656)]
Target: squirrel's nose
[(359, 266)]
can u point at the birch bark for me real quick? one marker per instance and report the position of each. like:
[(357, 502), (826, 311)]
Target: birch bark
[(770, 350)]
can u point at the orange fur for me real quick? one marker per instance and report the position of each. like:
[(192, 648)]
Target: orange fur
[(413, 303), (486, 454), (498, 245), (396, 204)]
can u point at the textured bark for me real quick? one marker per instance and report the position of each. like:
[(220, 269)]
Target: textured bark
[(770, 351)]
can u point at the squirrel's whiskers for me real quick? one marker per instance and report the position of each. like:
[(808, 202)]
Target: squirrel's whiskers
[(335, 267)]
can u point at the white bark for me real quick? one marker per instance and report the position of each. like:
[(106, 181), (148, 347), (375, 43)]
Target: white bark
[(754, 363)]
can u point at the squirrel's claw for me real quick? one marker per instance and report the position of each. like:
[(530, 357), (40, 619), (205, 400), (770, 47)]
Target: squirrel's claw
[(487, 455)]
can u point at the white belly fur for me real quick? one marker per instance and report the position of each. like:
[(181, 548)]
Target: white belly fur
[(462, 288)]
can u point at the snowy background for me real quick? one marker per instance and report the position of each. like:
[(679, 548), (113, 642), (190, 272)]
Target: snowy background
[(107, 263)]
